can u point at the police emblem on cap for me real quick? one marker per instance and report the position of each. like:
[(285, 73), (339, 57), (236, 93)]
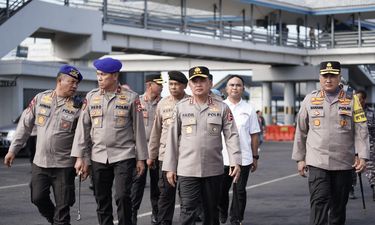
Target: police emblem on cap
[(197, 70), (74, 73)]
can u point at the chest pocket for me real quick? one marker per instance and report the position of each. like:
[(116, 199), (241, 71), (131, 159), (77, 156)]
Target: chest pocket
[(96, 114), (189, 126), (67, 121), (345, 121), (214, 125), (121, 116), (316, 118), (43, 114)]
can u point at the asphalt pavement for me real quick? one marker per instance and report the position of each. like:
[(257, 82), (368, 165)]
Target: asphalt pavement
[(276, 195)]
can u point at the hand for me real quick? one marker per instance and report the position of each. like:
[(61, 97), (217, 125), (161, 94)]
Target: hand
[(359, 164), (150, 163), (9, 158), (301, 166), (79, 166), (254, 165), (235, 173), (140, 167), (172, 178)]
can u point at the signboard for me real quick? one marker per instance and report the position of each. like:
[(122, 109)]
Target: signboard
[(8, 83)]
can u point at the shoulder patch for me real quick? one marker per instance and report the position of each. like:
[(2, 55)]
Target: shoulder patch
[(359, 114)]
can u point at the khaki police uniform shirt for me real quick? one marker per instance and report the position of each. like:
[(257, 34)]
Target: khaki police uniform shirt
[(163, 119), (113, 124), (194, 139), (148, 110), (327, 133), (55, 120)]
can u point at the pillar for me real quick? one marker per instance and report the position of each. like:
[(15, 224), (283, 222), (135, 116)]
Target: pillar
[(289, 100), (266, 99)]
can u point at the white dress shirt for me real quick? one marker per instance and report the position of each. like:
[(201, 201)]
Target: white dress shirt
[(247, 123)]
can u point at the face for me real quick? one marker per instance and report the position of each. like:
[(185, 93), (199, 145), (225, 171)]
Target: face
[(106, 81), (155, 88), (235, 88), (361, 99), (200, 86), (176, 88), (67, 85), (329, 82)]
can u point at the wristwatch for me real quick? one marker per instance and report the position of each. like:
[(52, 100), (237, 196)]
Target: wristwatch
[(256, 157)]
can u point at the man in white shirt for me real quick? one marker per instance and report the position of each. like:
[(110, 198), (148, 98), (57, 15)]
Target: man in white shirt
[(248, 130)]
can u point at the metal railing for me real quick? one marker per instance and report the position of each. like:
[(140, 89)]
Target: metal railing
[(9, 8), (207, 26)]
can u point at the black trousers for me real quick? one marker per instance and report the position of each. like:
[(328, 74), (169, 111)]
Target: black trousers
[(103, 176), (193, 188), (167, 198), (62, 182), (329, 192), (241, 191), (138, 187)]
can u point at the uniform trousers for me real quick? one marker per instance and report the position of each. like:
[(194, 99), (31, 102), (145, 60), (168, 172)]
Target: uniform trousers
[(103, 176), (167, 199), (329, 191), (138, 187), (241, 192), (193, 188), (62, 182)]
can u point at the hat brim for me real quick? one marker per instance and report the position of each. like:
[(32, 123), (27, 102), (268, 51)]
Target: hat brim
[(159, 81), (334, 71), (198, 75)]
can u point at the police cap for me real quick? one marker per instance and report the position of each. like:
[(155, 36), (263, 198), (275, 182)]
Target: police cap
[(71, 71), (177, 76), (154, 78), (108, 65), (330, 67), (199, 71)]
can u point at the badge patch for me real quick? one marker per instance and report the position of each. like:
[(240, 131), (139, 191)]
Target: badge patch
[(189, 130), (41, 120), (343, 123), (317, 122)]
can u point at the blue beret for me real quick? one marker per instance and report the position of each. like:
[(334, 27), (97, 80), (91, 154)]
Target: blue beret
[(71, 71), (108, 65)]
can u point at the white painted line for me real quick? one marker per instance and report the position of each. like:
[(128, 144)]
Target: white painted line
[(14, 186)]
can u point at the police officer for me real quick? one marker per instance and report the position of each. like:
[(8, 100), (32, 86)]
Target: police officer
[(330, 125), (193, 150), (54, 113), (157, 143), (370, 115), (149, 101), (112, 123)]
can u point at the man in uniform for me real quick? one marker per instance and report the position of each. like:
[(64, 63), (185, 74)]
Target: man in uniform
[(111, 131), (157, 144), (149, 101), (248, 129), (330, 125), (193, 150), (54, 113), (370, 115)]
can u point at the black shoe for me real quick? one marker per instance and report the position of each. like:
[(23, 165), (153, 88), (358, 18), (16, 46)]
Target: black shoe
[(134, 217), (154, 221), (223, 219)]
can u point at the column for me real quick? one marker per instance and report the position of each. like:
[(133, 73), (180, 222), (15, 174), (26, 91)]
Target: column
[(266, 99), (289, 100)]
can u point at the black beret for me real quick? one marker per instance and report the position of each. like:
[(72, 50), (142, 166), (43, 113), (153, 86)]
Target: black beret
[(155, 78), (332, 67), (71, 71), (108, 65), (177, 76), (199, 71)]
